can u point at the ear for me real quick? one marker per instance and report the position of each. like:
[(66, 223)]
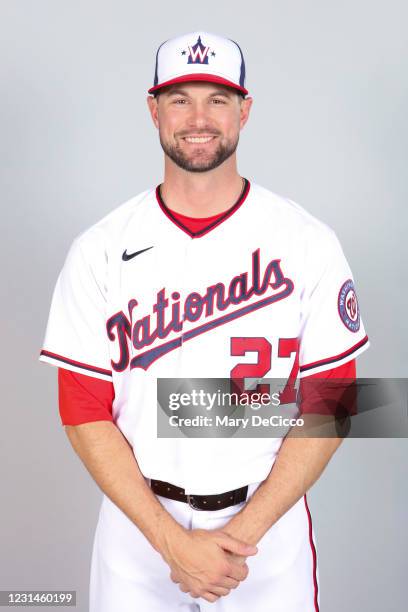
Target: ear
[(152, 103), (246, 104)]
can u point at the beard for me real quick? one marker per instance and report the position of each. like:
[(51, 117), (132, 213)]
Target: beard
[(200, 160)]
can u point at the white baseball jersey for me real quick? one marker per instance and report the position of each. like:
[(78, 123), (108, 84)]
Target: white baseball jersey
[(265, 291)]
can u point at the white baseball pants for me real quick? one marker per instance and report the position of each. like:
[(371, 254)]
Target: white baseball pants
[(128, 575)]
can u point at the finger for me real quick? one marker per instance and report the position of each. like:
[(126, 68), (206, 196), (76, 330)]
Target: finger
[(183, 587), (210, 597), (175, 578), (238, 572), (218, 590), (228, 583), (236, 558), (236, 546)]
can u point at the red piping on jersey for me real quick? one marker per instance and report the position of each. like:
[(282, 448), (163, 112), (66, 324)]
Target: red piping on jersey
[(314, 555), (78, 364), (212, 225), (347, 353)]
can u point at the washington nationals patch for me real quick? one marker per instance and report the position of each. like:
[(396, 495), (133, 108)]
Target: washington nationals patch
[(348, 306)]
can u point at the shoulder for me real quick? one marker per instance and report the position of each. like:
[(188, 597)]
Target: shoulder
[(106, 229), (89, 250), (98, 238), (292, 218)]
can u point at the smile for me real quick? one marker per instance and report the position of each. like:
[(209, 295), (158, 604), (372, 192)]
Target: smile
[(199, 139)]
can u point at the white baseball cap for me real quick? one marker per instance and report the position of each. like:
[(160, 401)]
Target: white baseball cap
[(199, 56)]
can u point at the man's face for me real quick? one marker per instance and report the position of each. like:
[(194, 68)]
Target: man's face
[(199, 123)]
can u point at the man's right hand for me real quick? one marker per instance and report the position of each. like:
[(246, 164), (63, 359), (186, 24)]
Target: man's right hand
[(201, 564)]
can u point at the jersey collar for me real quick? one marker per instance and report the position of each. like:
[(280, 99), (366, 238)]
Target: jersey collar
[(212, 224)]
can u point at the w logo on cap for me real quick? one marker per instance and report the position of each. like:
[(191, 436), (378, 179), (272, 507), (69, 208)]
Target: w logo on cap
[(198, 53)]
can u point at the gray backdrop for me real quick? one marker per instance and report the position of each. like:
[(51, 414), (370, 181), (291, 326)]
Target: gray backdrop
[(328, 129)]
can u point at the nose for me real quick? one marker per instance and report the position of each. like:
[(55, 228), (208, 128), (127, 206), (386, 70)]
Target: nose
[(198, 115)]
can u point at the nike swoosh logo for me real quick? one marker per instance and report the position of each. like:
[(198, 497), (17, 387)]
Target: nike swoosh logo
[(126, 256)]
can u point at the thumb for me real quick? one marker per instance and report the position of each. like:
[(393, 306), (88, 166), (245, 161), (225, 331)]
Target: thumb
[(227, 542)]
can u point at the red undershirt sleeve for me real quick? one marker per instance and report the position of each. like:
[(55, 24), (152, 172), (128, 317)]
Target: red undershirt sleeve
[(83, 399), (324, 398)]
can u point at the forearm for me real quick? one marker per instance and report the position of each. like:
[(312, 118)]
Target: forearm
[(109, 459), (300, 462)]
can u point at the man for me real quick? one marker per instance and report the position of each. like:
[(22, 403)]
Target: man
[(208, 275)]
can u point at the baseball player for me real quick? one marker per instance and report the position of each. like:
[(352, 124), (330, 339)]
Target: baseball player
[(207, 275)]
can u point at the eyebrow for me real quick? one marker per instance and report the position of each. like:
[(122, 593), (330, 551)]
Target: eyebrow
[(183, 92)]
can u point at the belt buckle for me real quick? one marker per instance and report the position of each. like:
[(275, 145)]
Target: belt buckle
[(190, 501)]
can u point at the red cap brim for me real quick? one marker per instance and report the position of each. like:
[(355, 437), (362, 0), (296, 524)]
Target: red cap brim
[(210, 78)]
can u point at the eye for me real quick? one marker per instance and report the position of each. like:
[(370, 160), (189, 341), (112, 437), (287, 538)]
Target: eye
[(179, 101), (218, 101)]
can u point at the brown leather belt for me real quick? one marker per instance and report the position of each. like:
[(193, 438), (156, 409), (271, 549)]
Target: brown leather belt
[(199, 502)]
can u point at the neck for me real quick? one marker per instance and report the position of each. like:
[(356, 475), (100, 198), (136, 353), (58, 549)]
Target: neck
[(201, 194)]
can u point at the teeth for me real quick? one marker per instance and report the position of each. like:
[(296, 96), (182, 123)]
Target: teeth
[(198, 139)]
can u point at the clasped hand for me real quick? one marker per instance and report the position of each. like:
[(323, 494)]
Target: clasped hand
[(207, 564)]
